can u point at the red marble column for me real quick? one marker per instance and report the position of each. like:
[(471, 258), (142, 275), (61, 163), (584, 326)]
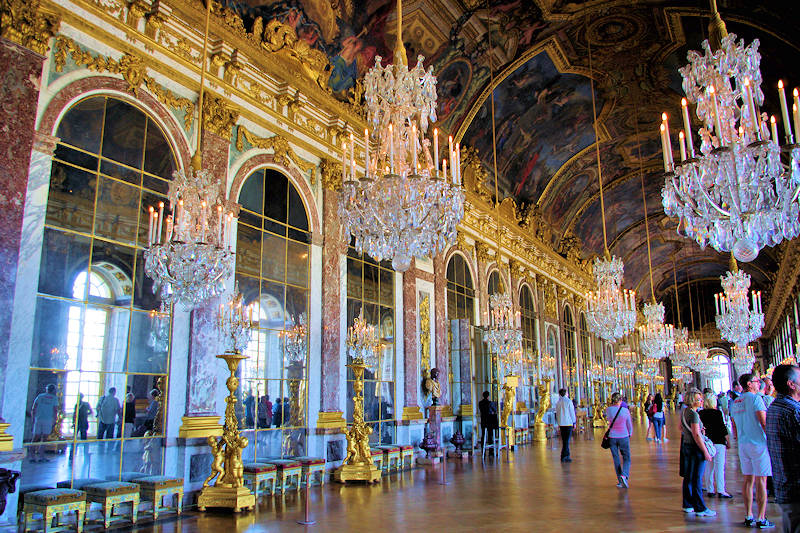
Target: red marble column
[(412, 378), (440, 311), (204, 368), (332, 247), (19, 92)]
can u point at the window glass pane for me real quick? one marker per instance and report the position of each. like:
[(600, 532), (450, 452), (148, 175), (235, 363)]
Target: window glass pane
[(370, 282), (82, 125), (76, 158), (121, 172), (273, 256), (251, 197), (117, 211), (149, 343), (355, 270), (123, 133), (297, 211), (70, 203), (248, 250), (387, 287), (158, 157), (64, 255), (275, 196), (297, 263)]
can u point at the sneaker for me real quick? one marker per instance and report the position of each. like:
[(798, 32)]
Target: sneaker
[(567, 460), (712, 494), (665, 439), (688, 510), (724, 495), (749, 521), (707, 512), (764, 524), (620, 485), (648, 438), (624, 481)]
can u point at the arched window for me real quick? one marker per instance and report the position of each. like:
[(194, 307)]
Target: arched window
[(96, 325), (272, 270), (460, 315), (370, 288), (722, 383), (569, 364), (495, 283), (586, 357), (530, 337)]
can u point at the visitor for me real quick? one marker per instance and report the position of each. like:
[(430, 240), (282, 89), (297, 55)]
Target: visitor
[(736, 390), (264, 412), (287, 414), (44, 413), (249, 410), (620, 428), (658, 418), (749, 423), (693, 456), (277, 415), (108, 409), (717, 431), (565, 418), (783, 434), (648, 406), (129, 415), (489, 422), (722, 402), (81, 418), (152, 410), (767, 391)]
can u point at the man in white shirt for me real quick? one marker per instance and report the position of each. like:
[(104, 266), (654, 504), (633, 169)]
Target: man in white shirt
[(565, 418)]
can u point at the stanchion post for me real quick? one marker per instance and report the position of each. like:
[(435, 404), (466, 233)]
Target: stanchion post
[(307, 521)]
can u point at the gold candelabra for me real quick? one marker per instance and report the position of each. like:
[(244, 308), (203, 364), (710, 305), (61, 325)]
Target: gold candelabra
[(358, 464), (509, 402), (539, 427)]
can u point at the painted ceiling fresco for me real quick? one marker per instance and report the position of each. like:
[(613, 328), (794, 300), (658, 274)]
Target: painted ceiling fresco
[(543, 111)]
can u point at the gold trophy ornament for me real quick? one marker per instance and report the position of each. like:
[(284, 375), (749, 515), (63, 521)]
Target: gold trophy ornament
[(235, 323), (358, 464)]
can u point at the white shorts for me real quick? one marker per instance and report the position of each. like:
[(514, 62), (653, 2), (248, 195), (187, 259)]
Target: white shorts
[(754, 459)]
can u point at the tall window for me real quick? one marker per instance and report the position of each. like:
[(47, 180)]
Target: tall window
[(370, 289), (722, 383), (460, 315), (586, 357), (569, 367), (96, 327), (272, 269), (526, 392), (486, 369)]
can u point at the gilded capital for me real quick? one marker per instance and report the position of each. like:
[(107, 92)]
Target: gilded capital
[(331, 173), (25, 23), (482, 252), (219, 117)]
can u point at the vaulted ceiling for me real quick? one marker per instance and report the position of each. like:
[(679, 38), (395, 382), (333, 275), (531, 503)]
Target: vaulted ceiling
[(543, 59)]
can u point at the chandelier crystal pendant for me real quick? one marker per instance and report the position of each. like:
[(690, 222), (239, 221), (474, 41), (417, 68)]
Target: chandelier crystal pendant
[(627, 360), (743, 358), (737, 321), (296, 341), (404, 204), (235, 323), (656, 339), (190, 256), (735, 194), (504, 335), (611, 310), (681, 353), (362, 342)]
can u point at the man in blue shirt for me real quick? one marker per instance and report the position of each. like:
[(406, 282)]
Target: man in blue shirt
[(749, 422), (783, 441)]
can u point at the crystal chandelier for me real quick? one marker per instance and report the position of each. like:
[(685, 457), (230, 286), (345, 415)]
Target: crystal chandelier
[(697, 355), (627, 360), (610, 374), (736, 194), (404, 205), (743, 358), (656, 339), (295, 341), (189, 255), (235, 322), (681, 354), (611, 310), (548, 366), (736, 321), (362, 343), (504, 334)]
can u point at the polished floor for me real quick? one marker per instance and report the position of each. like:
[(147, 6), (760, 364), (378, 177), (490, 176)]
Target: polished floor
[(530, 491)]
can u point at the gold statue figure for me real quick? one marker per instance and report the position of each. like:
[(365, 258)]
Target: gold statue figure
[(358, 465), (219, 457), (539, 428)]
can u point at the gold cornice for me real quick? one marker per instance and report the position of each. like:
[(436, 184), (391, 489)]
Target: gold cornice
[(331, 174), (219, 116), (27, 24)]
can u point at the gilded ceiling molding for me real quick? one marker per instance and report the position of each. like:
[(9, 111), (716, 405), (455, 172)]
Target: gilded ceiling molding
[(330, 172), (27, 24), (132, 68), (219, 117), (284, 154)]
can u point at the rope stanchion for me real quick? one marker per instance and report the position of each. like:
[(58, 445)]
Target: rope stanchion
[(307, 520), (443, 479)]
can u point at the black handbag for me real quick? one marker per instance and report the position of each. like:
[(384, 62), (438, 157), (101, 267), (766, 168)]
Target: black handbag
[(606, 442)]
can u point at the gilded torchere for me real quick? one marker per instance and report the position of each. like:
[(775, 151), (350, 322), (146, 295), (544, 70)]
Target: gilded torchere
[(235, 323), (539, 427), (358, 464), (509, 402), (598, 419)]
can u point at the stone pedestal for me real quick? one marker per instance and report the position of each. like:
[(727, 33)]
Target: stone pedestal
[(435, 423), (539, 432)]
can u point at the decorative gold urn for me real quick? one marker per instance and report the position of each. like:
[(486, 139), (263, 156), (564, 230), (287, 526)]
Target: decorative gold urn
[(358, 464), (228, 490)]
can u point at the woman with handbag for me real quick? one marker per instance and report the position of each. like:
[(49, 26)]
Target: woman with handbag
[(618, 438), (713, 421), (696, 449)]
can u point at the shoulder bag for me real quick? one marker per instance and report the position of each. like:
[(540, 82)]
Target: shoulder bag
[(606, 442), (712, 451)]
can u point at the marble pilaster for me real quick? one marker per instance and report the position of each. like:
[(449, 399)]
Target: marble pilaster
[(332, 247), (410, 337), (19, 91), (441, 329)]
